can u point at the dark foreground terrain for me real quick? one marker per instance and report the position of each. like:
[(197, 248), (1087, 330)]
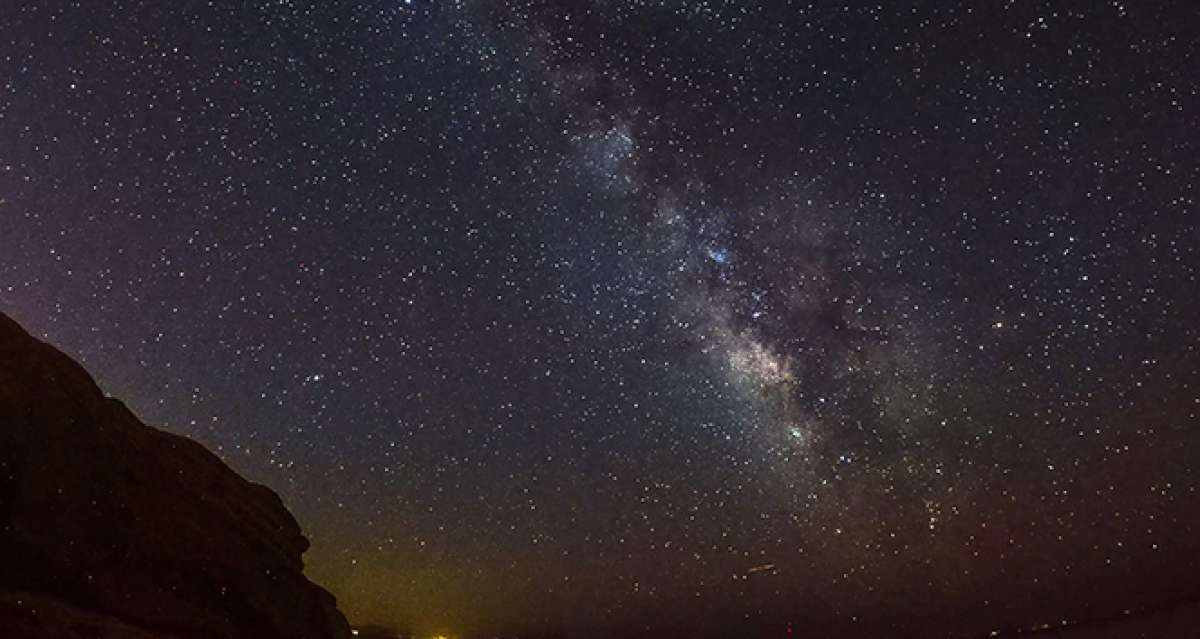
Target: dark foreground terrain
[(110, 528)]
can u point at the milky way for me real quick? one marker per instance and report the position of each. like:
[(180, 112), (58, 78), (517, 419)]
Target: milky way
[(631, 318)]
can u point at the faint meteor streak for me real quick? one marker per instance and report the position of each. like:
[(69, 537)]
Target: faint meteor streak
[(762, 568)]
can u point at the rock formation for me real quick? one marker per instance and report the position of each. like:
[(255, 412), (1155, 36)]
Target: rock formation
[(111, 528)]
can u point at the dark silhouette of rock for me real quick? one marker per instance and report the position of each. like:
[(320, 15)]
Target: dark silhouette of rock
[(111, 528)]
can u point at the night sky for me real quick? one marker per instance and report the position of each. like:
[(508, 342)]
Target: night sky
[(644, 318)]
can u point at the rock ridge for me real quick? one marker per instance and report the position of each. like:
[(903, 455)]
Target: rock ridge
[(112, 528)]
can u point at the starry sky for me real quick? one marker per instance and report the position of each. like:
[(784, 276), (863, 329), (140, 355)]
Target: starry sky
[(644, 318)]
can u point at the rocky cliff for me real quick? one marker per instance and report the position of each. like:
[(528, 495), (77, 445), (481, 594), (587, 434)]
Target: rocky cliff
[(111, 528)]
